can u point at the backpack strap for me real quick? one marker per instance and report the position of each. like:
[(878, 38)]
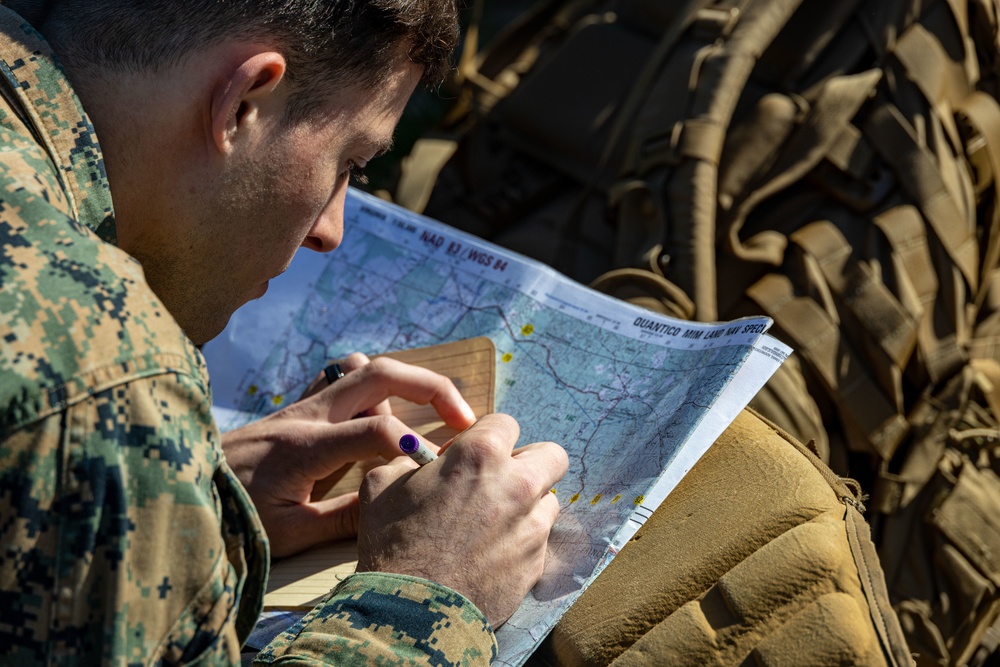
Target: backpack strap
[(981, 115), (893, 642), (691, 139), (865, 410), (898, 144), (816, 136), (497, 69), (871, 315), (642, 219), (935, 418), (918, 286), (941, 79)]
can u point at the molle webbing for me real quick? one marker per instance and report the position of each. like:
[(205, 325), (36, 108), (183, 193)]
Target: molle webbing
[(829, 164)]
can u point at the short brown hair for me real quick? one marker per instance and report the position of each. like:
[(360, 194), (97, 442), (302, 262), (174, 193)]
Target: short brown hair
[(326, 42)]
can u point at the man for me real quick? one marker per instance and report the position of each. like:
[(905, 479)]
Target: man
[(209, 141)]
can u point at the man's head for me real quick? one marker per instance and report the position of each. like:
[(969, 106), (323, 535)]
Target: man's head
[(230, 127), (327, 43)]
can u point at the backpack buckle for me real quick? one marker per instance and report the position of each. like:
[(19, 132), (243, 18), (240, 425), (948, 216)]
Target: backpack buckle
[(714, 23)]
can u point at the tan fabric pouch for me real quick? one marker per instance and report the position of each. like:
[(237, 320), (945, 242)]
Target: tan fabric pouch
[(759, 557)]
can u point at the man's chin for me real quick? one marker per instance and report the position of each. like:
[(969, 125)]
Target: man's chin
[(210, 329), (254, 294)]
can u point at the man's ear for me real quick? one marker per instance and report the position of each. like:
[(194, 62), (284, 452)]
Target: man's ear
[(246, 96)]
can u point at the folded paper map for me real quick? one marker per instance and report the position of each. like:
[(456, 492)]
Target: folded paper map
[(634, 397)]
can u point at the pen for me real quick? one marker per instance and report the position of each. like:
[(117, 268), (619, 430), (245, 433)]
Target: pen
[(416, 450)]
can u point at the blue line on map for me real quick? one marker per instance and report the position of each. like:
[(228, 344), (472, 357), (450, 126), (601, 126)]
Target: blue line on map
[(548, 295), (565, 387)]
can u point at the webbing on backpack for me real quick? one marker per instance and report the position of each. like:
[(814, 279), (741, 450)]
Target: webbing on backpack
[(892, 136), (982, 114), (689, 137), (868, 312), (832, 165), (868, 415)]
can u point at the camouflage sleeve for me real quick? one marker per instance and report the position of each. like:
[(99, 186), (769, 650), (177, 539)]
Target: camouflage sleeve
[(125, 538), (386, 619)]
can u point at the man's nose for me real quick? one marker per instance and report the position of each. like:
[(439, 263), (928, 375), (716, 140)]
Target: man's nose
[(328, 230)]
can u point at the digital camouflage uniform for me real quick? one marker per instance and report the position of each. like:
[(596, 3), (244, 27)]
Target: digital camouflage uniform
[(125, 537)]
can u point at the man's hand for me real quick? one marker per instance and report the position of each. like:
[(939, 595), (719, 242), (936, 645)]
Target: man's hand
[(280, 458), (476, 520)]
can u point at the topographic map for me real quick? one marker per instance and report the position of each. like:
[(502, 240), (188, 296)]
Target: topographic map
[(634, 397)]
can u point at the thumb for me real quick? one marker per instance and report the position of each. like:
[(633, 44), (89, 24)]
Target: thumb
[(307, 525)]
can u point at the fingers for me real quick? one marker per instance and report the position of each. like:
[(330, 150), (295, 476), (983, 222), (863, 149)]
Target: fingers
[(494, 436), (349, 363), (493, 432), (352, 363), (481, 446), (485, 444), (307, 525), (333, 445), (366, 386), (495, 497), (549, 461)]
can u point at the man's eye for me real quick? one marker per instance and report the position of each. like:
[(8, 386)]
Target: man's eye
[(356, 173)]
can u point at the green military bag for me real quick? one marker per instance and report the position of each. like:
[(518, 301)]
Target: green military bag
[(829, 164)]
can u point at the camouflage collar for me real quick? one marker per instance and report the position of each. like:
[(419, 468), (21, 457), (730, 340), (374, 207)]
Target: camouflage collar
[(46, 101)]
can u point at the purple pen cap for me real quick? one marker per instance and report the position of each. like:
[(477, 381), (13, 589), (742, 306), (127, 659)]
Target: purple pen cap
[(409, 443)]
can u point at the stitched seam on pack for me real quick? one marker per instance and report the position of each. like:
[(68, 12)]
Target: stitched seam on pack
[(878, 618)]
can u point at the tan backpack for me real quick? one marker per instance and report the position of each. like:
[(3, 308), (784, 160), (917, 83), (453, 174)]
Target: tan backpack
[(829, 164)]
